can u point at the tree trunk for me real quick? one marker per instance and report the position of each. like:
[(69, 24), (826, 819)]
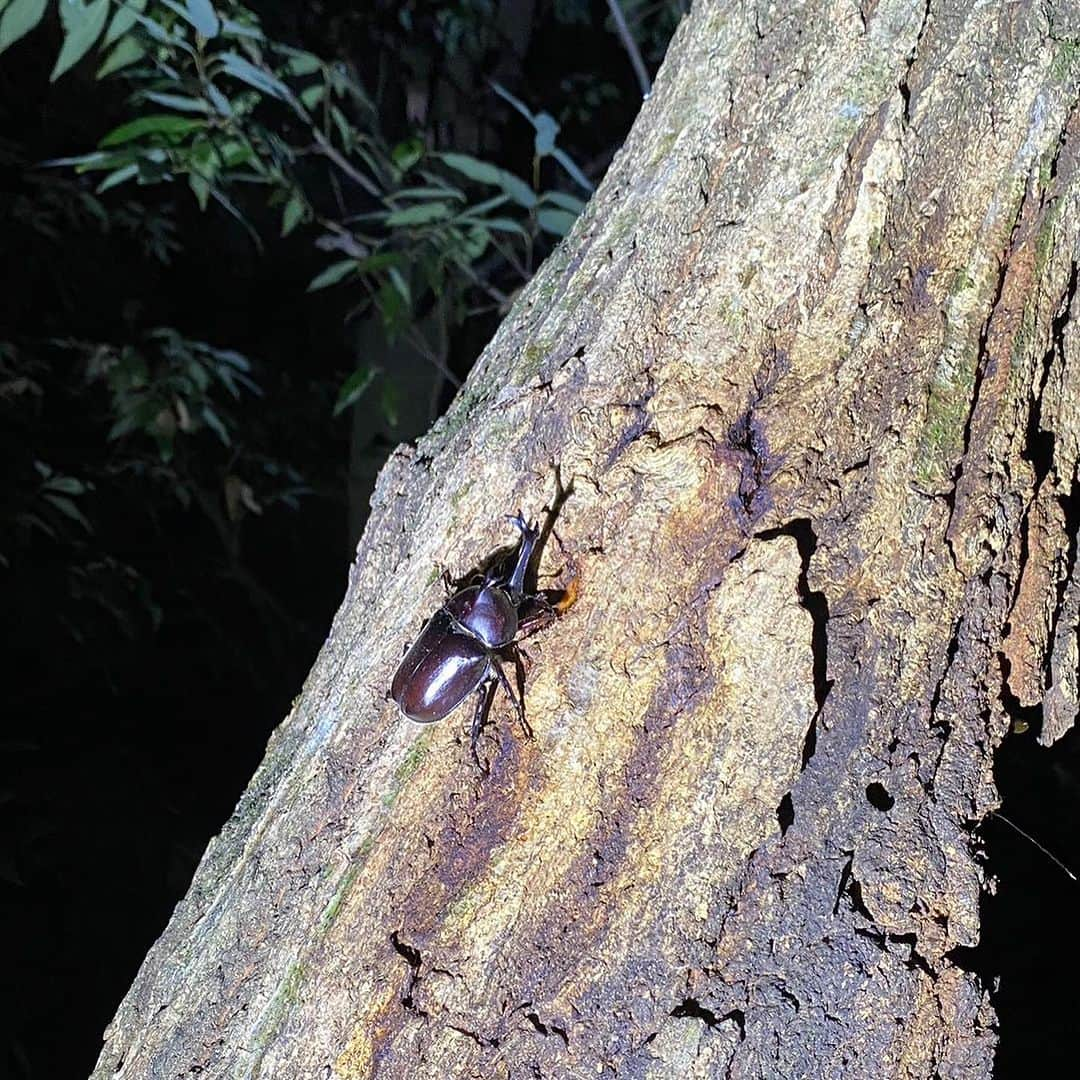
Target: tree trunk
[(810, 358)]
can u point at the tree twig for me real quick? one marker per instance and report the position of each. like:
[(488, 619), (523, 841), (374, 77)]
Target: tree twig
[(630, 45)]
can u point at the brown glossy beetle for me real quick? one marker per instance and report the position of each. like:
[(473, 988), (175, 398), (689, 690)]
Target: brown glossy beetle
[(461, 647)]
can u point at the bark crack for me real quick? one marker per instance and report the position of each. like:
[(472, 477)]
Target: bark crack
[(816, 603)]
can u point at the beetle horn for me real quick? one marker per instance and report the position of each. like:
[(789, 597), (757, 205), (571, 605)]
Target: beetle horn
[(529, 536)]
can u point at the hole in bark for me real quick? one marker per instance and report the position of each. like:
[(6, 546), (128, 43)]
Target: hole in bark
[(879, 798), (785, 813), (412, 958), (1023, 717), (693, 1007), (857, 902), (547, 1029), (817, 604)]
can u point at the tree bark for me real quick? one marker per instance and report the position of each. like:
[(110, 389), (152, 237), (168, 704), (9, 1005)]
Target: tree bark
[(810, 359)]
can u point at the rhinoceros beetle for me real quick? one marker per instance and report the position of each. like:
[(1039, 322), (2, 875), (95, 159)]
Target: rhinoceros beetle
[(460, 649)]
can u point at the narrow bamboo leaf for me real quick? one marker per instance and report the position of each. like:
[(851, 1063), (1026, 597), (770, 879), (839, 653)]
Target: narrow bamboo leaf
[(180, 102), (203, 17), (171, 127), (570, 203), (213, 421), (556, 222), (474, 169), (200, 188), (68, 509), (399, 283), (420, 214), (502, 224), (123, 20), (515, 102), (429, 193), (127, 51), (482, 208), (303, 63), (310, 96), (378, 261), (239, 68), (118, 176), (567, 162), (236, 29), (218, 100), (293, 214), (232, 357), (19, 18), (353, 388), (65, 485), (517, 189), (332, 274), (82, 27)]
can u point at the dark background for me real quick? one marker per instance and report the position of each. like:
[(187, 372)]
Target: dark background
[(127, 741)]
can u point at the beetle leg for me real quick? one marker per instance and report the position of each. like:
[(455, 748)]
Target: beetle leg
[(483, 704), (518, 704), (533, 615)]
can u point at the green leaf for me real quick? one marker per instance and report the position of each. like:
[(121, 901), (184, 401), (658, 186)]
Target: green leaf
[(474, 169), (567, 162), (201, 15), (429, 193), (303, 63), (332, 274), (82, 27), (353, 388), (243, 30), (517, 189), (213, 421), (406, 154), (127, 51), (420, 214), (233, 359), (293, 213), (570, 203), (310, 96), (123, 20), (218, 100), (370, 263), (65, 485), (475, 244), (68, 509), (399, 283), (239, 68), (200, 188), (118, 176), (503, 224), (556, 222), (180, 102), (546, 129), (172, 128), (482, 208), (19, 18), (515, 102)]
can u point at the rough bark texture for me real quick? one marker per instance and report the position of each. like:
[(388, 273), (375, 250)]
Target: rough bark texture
[(810, 358)]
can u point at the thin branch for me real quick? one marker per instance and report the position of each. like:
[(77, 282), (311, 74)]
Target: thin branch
[(630, 45), (1027, 836), (328, 150)]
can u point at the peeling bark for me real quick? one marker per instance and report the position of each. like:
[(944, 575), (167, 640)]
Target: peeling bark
[(810, 359)]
